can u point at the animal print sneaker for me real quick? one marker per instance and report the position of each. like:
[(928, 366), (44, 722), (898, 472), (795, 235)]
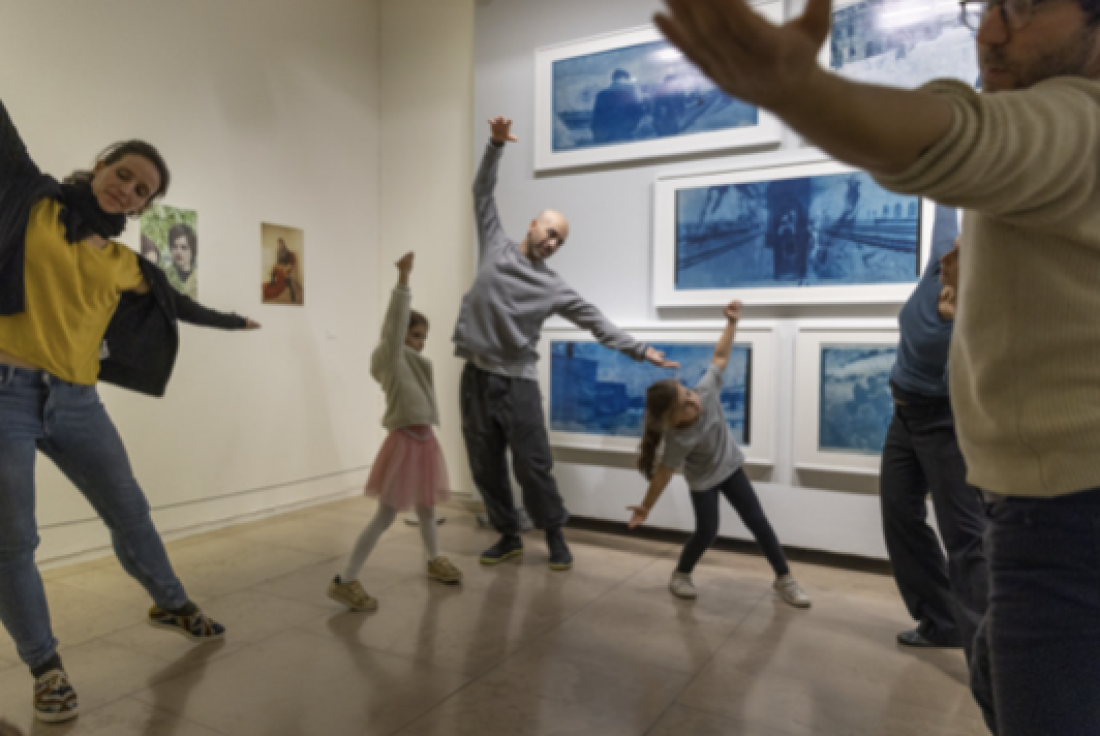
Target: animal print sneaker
[(196, 625), (54, 698)]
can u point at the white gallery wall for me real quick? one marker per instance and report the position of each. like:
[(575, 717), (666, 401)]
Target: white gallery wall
[(267, 111), (608, 260), (427, 108)]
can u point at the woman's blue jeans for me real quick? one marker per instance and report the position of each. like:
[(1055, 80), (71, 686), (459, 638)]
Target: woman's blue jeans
[(68, 424)]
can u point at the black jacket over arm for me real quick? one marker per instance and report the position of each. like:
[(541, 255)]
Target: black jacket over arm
[(142, 339)]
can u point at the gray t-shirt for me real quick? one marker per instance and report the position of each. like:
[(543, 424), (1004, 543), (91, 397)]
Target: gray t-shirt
[(705, 451)]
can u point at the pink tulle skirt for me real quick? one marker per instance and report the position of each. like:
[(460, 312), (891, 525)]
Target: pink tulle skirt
[(409, 470)]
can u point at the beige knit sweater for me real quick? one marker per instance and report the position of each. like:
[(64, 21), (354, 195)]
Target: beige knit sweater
[(1025, 358), (405, 375)]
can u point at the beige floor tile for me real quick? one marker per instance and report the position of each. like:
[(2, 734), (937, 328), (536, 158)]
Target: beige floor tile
[(309, 584), (482, 711), (604, 688), (249, 617), (682, 721), (101, 673), (227, 564), (454, 627), (302, 683), (126, 717)]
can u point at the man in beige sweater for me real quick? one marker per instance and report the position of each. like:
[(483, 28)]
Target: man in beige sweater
[(1023, 161)]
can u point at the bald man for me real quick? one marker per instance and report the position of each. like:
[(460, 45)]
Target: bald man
[(497, 335)]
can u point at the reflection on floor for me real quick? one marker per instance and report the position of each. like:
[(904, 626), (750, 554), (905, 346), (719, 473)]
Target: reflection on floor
[(516, 651)]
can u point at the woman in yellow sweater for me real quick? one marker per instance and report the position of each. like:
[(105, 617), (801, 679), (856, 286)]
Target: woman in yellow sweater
[(77, 307)]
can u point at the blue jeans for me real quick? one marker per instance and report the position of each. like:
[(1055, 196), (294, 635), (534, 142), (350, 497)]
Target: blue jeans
[(1043, 626), (69, 425)]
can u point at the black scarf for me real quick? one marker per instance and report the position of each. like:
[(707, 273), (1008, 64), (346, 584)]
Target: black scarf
[(83, 217)]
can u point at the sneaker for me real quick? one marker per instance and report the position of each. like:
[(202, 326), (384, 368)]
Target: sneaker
[(352, 595), (444, 571), (507, 547), (914, 638), (561, 558), (680, 585), (54, 698), (196, 626), (789, 590)]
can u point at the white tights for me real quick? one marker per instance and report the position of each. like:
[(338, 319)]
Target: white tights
[(382, 521)]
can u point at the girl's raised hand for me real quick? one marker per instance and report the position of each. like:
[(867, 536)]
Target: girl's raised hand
[(405, 265), (639, 517), (733, 311)]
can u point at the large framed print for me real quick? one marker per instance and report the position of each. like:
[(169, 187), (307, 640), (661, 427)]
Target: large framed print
[(842, 397), (595, 396), (902, 43), (633, 95), (792, 229)]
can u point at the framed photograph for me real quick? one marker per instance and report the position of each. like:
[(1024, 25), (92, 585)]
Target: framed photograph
[(902, 43), (632, 95), (842, 397), (283, 255), (595, 397), (169, 238), (797, 229)]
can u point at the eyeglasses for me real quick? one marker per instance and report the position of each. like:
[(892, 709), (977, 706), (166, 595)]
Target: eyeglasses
[(1015, 14)]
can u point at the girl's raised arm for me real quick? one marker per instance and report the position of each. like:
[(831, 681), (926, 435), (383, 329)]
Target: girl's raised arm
[(725, 343)]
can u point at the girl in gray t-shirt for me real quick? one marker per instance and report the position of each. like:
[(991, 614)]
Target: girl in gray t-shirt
[(691, 427)]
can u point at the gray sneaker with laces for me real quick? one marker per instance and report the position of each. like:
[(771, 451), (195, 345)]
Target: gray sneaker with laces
[(791, 593), (680, 585)]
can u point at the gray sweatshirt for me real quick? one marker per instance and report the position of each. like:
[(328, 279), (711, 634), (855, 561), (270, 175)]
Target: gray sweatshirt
[(503, 312), (404, 374)]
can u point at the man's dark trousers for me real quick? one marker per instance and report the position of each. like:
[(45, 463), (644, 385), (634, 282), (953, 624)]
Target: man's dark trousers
[(498, 414), (946, 596)]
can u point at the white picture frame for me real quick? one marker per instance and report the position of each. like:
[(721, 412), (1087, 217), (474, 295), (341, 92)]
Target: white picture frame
[(811, 451), (808, 164), (565, 103), (900, 43), (760, 403)]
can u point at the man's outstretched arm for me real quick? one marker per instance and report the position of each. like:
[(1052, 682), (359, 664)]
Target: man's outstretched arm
[(490, 233)]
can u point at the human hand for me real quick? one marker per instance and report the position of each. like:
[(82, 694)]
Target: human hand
[(946, 305), (949, 266), (733, 311), (748, 57), (657, 358), (250, 324), (405, 265), (640, 515), (501, 130)]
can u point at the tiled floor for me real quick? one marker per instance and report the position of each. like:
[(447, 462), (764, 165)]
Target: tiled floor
[(516, 651)]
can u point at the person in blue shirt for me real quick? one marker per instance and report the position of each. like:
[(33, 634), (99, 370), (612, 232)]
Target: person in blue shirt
[(945, 594)]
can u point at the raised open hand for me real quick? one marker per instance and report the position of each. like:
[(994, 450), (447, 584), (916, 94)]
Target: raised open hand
[(501, 130), (748, 57), (657, 358)]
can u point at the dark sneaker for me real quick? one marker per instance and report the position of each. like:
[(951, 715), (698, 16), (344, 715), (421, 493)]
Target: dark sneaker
[(54, 698), (561, 558), (914, 638), (505, 549), (196, 626)]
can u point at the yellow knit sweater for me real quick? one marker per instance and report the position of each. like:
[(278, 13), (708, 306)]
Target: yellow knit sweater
[(1025, 358)]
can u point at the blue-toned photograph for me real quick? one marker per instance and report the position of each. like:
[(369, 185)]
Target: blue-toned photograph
[(832, 230), (596, 391), (903, 43), (638, 93), (856, 406)]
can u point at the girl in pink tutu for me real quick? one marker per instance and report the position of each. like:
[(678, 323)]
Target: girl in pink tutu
[(409, 471)]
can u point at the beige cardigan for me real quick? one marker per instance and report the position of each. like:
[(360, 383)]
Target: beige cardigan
[(405, 375), (1025, 359)]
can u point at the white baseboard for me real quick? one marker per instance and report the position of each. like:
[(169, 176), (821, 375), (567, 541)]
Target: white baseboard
[(87, 539)]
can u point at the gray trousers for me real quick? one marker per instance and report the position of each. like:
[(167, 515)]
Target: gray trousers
[(499, 414)]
